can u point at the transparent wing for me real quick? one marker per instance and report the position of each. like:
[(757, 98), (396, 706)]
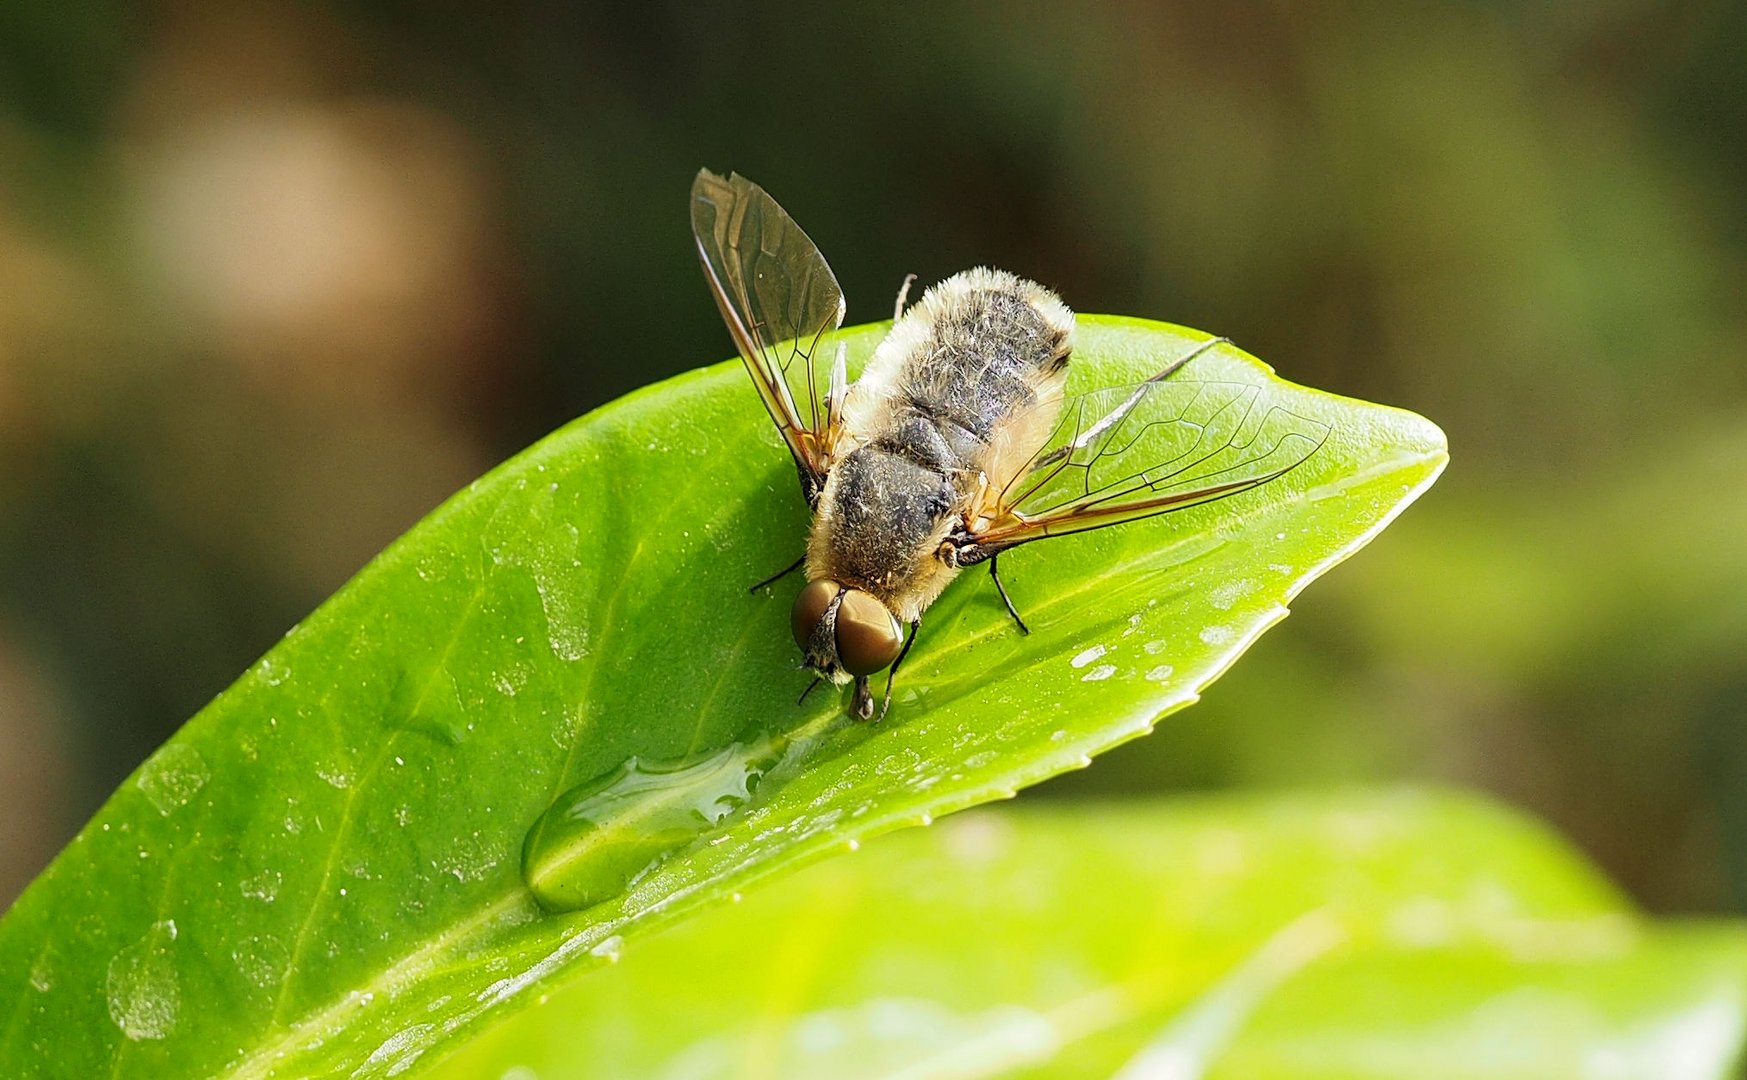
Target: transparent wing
[(1133, 451), (779, 299)]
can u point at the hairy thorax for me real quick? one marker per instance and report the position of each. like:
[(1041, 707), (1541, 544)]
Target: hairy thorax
[(881, 520)]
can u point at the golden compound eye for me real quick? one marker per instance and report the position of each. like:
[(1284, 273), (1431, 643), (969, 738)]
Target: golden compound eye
[(867, 635), (810, 608)]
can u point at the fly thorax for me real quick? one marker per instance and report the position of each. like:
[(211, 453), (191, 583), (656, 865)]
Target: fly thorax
[(883, 513)]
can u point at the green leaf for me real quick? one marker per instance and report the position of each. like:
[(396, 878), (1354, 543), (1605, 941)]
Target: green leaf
[(1350, 936), (320, 874)]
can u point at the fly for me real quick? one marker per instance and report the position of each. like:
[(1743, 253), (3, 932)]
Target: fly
[(957, 442)]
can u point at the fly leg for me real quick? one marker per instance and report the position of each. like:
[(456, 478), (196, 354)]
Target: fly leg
[(903, 295), (780, 574), (1002, 589), (893, 673), (861, 706)]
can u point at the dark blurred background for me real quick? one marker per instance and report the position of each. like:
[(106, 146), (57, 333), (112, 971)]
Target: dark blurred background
[(276, 279)]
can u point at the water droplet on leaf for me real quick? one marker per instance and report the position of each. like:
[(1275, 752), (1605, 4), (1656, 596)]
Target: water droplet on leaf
[(272, 671), (609, 949), (595, 838), (172, 776), (142, 993), (1218, 635), (1088, 656), (263, 886)]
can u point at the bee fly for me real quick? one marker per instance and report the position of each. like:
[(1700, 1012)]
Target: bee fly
[(956, 442)]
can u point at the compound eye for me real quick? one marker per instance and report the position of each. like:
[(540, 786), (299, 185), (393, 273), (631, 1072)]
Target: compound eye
[(868, 636), (810, 608)]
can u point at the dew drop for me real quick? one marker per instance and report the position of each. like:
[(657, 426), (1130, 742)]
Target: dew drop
[(905, 759), (172, 776), (1218, 635), (335, 775), (600, 835), (143, 996), (263, 886), (261, 960), (1088, 656), (1160, 673), (397, 1053), (509, 680), (471, 859), (609, 949), (1099, 673), (1225, 595)]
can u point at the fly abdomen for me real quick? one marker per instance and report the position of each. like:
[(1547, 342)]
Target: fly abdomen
[(942, 448), (944, 439), (988, 349)]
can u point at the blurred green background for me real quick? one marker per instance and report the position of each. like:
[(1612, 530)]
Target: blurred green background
[(275, 279)]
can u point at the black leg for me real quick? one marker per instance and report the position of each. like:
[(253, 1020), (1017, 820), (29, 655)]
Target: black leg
[(816, 681), (780, 574), (892, 673), (1002, 589)]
